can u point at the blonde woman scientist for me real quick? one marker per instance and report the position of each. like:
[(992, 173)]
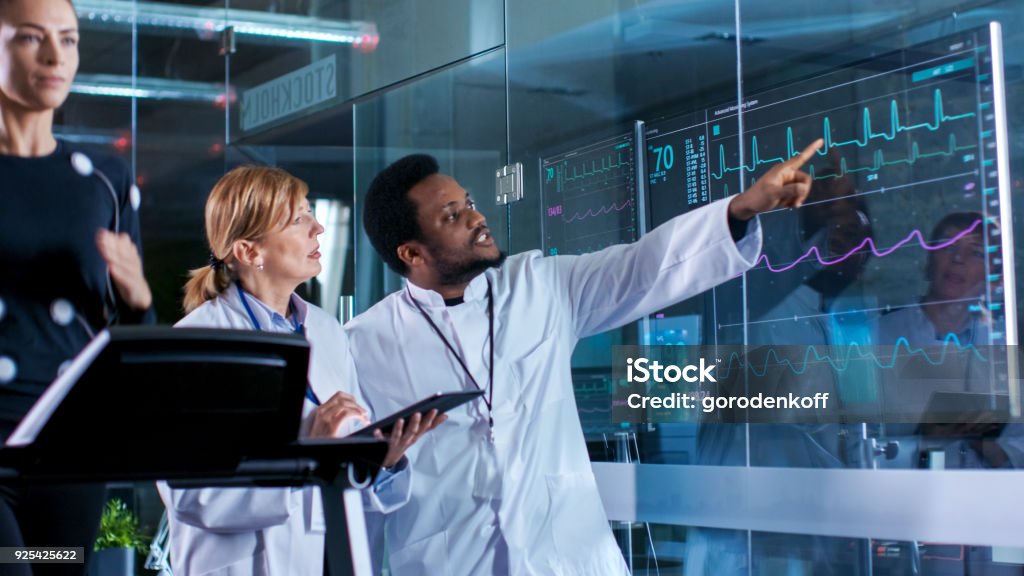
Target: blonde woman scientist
[(263, 241)]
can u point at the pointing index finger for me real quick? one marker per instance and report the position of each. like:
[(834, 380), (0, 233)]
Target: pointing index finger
[(803, 157)]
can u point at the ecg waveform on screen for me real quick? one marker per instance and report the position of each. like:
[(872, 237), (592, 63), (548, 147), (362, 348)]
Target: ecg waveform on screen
[(599, 212), (878, 158), (870, 243), (590, 197), (583, 169), (841, 363), (868, 134), (909, 146), (593, 395)]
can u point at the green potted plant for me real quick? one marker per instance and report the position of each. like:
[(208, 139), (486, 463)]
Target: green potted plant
[(118, 540)]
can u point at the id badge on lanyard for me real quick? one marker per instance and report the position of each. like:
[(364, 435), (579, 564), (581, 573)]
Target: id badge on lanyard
[(487, 474)]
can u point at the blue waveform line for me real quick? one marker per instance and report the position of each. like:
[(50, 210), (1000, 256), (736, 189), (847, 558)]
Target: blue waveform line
[(868, 135), (880, 161), (878, 158), (734, 358)]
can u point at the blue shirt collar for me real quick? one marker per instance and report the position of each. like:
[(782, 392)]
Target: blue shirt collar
[(270, 319)]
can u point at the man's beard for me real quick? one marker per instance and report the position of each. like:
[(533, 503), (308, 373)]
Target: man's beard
[(452, 272)]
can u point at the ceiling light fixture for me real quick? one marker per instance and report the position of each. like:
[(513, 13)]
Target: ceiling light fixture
[(361, 34), (155, 88)]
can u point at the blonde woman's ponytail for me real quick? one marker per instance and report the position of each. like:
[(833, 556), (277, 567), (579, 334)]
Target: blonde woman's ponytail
[(205, 284)]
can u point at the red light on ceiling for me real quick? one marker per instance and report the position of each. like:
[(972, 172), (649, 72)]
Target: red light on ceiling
[(222, 100), (216, 149), (367, 43), (122, 143)]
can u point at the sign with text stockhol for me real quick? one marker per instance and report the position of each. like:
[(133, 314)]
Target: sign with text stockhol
[(290, 95)]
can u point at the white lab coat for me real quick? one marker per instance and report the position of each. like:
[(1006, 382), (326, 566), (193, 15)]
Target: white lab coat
[(267, 531), (528, 503)]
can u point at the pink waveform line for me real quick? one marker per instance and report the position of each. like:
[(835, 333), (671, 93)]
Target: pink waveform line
[(602, 210), (870, 242)]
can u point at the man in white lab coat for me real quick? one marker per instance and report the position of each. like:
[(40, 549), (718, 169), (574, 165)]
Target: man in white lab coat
[(505, 486)]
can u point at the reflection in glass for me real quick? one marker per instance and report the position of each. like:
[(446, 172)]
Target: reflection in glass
[(334, 217)]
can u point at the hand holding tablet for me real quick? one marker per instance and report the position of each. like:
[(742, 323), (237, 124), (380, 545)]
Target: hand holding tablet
[(441, 401)]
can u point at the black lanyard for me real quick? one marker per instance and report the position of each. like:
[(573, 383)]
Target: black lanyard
[(489, 399), (299, 329)]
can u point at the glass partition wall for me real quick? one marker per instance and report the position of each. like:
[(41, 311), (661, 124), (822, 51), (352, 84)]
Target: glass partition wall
[(625, 114)]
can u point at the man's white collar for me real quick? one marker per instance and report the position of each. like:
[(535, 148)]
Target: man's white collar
[(476, 290)]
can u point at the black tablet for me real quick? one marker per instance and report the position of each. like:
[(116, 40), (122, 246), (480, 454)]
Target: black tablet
[(966, 414), (441, 401)]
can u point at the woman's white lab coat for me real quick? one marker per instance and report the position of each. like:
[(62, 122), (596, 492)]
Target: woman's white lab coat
[(268, 531)]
